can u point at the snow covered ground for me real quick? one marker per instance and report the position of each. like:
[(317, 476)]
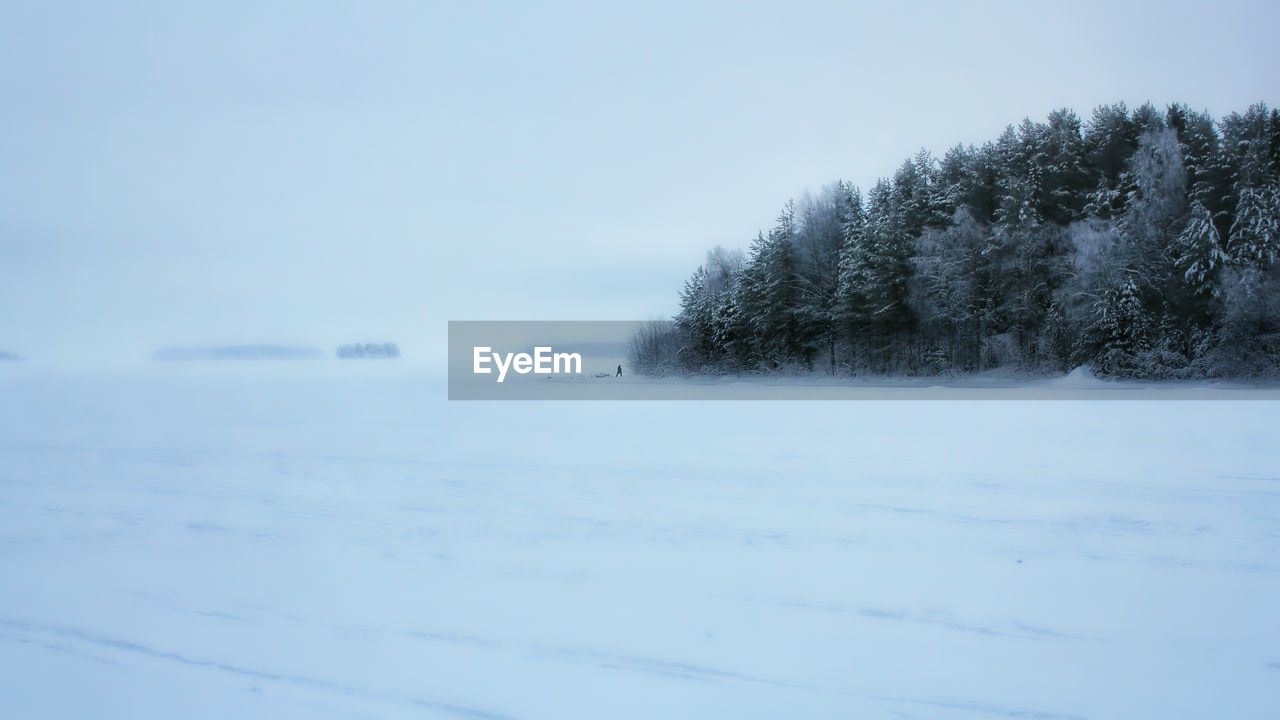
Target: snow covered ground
[(264, 543)]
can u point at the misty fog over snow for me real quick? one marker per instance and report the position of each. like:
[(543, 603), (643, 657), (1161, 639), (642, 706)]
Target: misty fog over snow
[(229, 173)]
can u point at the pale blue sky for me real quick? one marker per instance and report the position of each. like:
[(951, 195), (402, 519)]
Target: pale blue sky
[(324, 172)]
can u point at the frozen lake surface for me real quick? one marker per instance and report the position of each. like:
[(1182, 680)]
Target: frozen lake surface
[(217, 544)]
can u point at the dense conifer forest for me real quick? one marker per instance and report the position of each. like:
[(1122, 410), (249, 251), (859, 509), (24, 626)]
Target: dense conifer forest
[(1143, 243)]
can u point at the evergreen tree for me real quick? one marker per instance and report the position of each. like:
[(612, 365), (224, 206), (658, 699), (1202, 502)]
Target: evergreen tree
[(1248, 140), (819, 243), (695, 317), (1123, 327), (912, 195), (855, 270), (888, 267), (770, 294), (1255, 238), (946, 266), (1017, 178), (1060, 154), (1207, 177), (1199, 251), (1108, 141)]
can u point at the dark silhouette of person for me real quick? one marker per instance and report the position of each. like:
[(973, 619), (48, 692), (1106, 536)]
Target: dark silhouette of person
[(619, 371)]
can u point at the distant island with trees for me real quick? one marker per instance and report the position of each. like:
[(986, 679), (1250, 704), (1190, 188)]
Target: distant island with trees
[(368, 351)]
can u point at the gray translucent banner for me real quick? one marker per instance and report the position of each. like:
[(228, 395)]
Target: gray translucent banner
[(580, 360)]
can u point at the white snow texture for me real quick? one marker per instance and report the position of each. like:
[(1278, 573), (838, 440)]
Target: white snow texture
[(259, 544)]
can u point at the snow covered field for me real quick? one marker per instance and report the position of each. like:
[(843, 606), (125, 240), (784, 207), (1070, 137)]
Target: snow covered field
[(259, 543)]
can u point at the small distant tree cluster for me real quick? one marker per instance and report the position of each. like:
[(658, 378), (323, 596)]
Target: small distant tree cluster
[(1141, 242), (360, 351)]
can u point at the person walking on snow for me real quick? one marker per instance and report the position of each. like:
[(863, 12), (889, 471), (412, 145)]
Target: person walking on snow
[(619, 371)]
